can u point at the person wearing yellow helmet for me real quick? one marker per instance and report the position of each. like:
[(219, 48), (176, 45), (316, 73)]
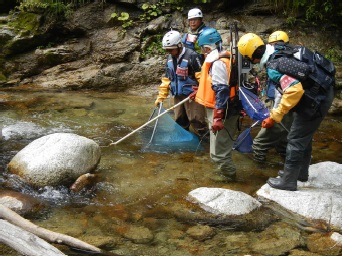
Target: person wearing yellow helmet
[(278, 36), (275, 137), (299, 147)]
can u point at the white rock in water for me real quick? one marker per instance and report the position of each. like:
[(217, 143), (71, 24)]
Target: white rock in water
[(223, 201), (56, 159)]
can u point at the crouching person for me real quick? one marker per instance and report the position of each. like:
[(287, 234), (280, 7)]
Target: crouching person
[(306, 119)]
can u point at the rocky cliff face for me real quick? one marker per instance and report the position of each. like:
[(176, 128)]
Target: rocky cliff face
[(91, 50)]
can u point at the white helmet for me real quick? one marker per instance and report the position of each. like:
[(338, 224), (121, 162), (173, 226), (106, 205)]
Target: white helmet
[(172, 40), (195, 13)]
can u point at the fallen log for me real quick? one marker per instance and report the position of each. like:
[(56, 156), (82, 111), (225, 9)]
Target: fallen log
[(25, 242), (50, 236)]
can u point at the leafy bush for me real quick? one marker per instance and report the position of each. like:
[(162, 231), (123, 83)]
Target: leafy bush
[(335, 55), (329, 11), (153, 46)]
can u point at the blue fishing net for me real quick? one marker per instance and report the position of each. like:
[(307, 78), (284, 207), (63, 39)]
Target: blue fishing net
[(252, 105), (244, 142), (165, 135), (256, 110)]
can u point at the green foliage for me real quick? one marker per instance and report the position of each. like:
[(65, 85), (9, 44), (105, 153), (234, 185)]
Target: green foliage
[(153, 46), (58, 8), (31, 6), (151, 11), (2, 77), (26, 22), (328, 11), (124, 18), (334, 54), (49, 45), (291, 21)]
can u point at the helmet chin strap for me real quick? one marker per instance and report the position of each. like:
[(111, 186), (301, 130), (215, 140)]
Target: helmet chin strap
[(180, 48)]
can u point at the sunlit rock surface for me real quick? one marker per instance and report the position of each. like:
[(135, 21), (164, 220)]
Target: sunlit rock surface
[(20, 203), (223, 201), (55, 159), (20, 130), (318, 199)]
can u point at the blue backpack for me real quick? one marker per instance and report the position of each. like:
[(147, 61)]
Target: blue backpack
[(312, 69)]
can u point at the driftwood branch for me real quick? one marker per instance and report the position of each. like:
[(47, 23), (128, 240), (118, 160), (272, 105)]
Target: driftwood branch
[(25, 242), (50, 236)]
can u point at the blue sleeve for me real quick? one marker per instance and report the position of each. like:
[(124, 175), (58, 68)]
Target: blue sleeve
[(221, 95)]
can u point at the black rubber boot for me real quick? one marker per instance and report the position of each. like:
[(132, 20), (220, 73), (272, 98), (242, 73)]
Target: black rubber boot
[(304, 171), (303, 176), (286, 182)]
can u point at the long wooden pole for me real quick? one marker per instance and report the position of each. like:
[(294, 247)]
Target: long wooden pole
[(48, 235), (150, 121)]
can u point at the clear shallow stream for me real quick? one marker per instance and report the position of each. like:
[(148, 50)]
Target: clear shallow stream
[(134, 188)]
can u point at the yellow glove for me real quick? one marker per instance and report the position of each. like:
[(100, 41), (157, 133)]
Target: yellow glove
[(198, 76), (164, 89), (290, 98)]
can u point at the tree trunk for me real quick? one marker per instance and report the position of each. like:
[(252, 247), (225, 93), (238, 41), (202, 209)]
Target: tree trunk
[(25, 242), (45, 234)]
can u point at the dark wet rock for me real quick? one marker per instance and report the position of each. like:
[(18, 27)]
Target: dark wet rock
[(55, 159), (20, 203), (84, 181), (201, 233), (103, 242), (256, 220), (336, 107), (298, 252), (77, 74), (277, 239), (139, 235), (234, 242), (322, 244), (45, 54)]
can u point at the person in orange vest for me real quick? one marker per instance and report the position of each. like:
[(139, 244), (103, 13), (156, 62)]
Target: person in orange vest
[(218, 95)]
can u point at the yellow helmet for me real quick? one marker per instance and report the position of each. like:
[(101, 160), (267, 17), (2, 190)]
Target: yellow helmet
[(248, 43), (278, 36)]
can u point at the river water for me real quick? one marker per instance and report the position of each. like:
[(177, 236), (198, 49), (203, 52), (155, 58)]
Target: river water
[(135, 190)]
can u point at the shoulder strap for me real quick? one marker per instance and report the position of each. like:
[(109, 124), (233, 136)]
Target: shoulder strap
[(224, 55), (187, 53)]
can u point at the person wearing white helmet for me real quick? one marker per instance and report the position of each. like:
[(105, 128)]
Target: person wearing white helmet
[(182, 73), (196, 27)]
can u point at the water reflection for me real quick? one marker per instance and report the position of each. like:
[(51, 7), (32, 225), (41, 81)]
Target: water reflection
[(135, 187)]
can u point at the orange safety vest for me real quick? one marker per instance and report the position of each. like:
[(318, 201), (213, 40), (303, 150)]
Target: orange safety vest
[(205, 94)]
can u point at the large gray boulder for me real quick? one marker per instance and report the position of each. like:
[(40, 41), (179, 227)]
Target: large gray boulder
[(55, 159), (223, 201), (318, 199)]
